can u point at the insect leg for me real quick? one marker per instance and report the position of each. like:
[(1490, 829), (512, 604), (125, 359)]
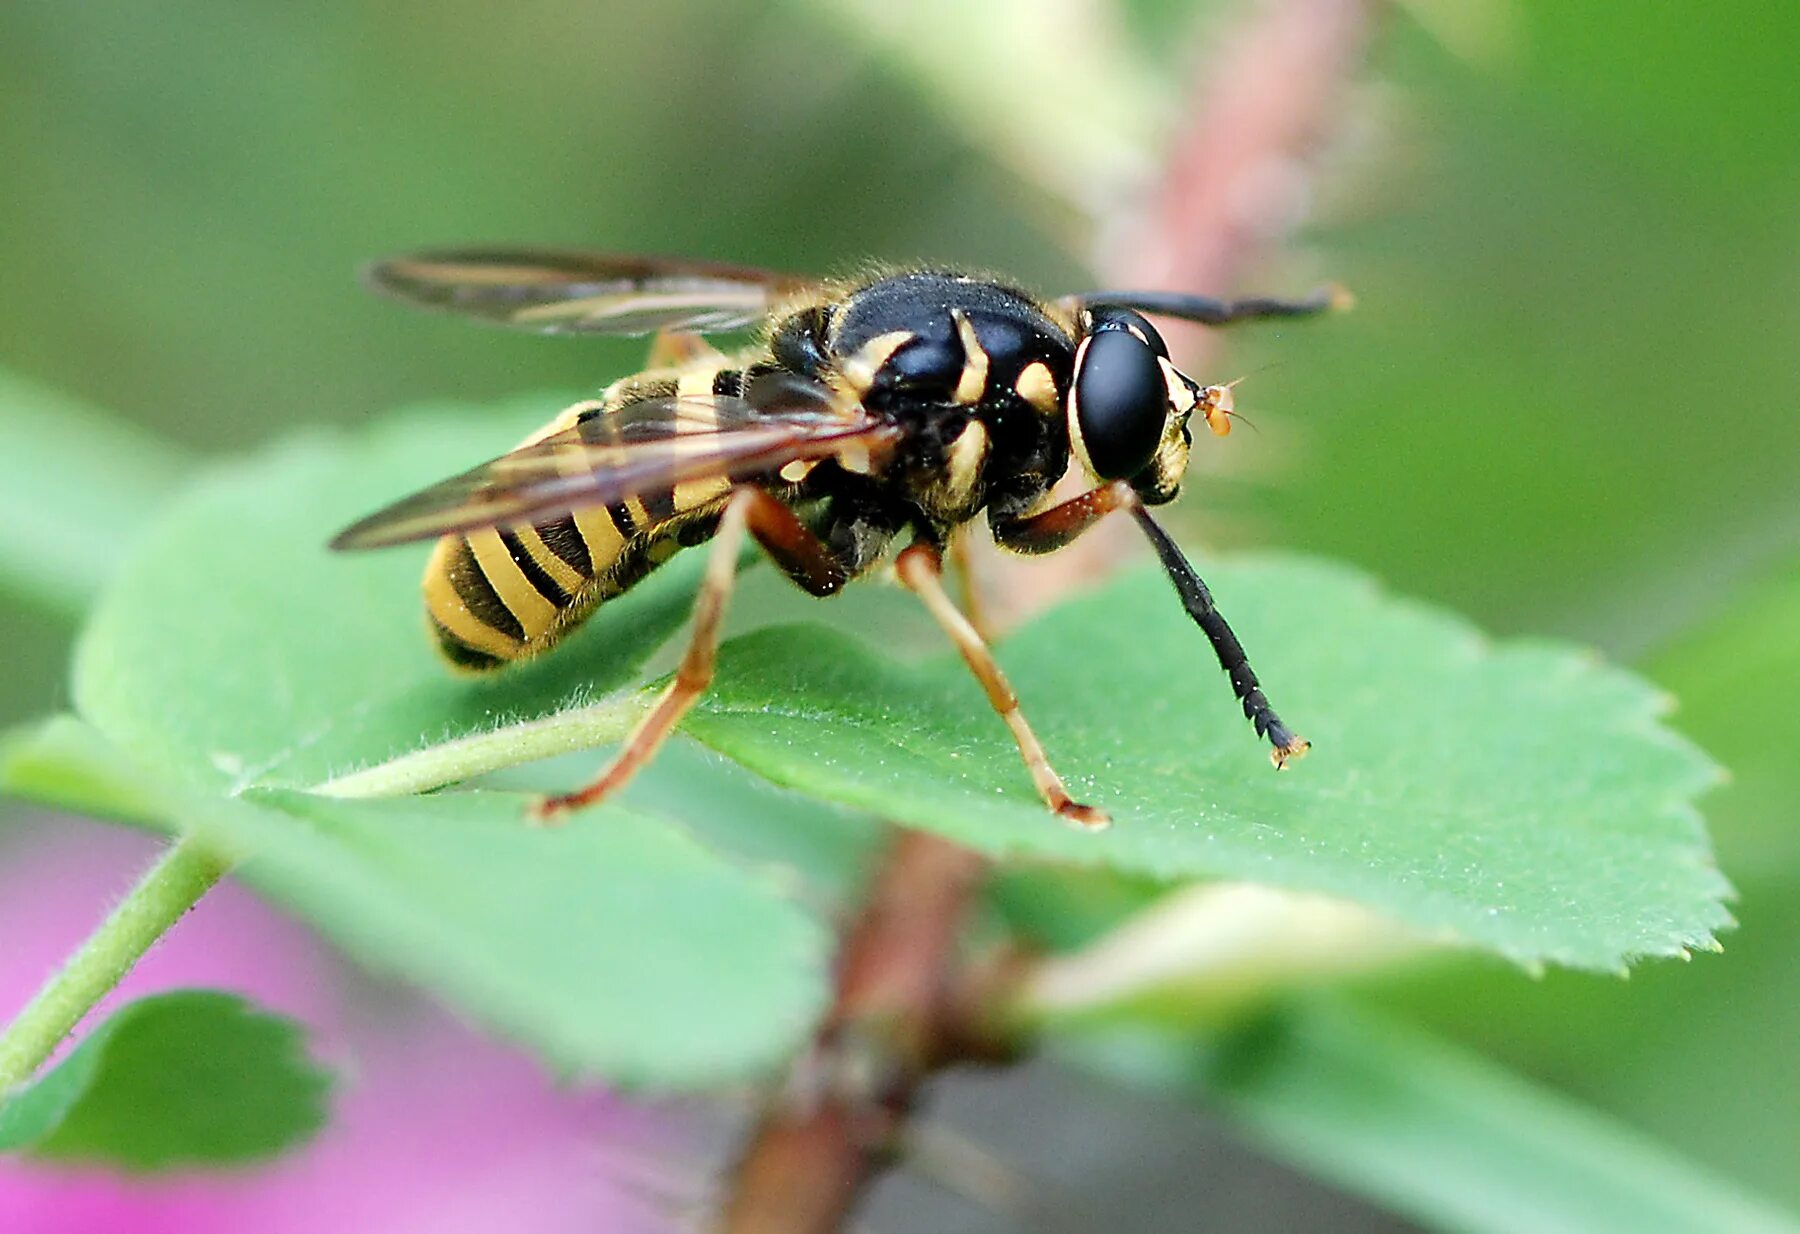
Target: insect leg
[(1055, 527), (920, 567), (676, 348), (962, 555), (1198, 601), (781, 533), (1208, 311), (1049, 530)]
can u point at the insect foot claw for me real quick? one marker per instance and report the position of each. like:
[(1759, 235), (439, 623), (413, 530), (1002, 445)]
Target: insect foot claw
[(1289, 750), (1088, 818)]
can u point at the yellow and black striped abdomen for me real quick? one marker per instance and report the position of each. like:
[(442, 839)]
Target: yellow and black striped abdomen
[(505, 593), (508, 593)]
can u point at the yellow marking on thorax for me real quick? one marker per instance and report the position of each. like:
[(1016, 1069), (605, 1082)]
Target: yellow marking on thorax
[(535, 613), (798, 470), (1037, 386), (1063, 313), (972, 384), (859, 370), (447, 608), (967, 454), (680, 349)]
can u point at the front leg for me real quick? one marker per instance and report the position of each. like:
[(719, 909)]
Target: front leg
[(1051, 529), (1055, 527), (1284, 743)]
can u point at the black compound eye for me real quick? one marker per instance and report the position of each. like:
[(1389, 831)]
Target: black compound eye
[(1121, 402), (1132, 322)]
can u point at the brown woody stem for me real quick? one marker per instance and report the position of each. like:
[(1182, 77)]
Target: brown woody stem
[(841, 1117)]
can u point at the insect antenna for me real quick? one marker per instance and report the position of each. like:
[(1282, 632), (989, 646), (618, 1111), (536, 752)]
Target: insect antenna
[(1217, 405), (1229, 406)]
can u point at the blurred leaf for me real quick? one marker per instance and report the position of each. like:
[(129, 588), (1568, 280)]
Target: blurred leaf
[(1060, 908), (61, 762), (76, 487), (1521, 798), (190, 1078), (615, 945), (826, 847), (1738, 676), (1081, 145), (1564, 400), (1433, 1132)]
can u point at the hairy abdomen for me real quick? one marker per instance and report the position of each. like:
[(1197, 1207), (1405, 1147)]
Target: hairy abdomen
[(507, 593)]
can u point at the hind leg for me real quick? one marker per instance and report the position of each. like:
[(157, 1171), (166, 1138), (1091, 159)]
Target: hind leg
[(793, 546)]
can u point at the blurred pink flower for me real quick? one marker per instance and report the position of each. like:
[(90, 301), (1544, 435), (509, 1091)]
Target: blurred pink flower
[(434, 1130)]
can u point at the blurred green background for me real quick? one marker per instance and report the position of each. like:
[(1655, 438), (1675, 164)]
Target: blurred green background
[(1565, 405)]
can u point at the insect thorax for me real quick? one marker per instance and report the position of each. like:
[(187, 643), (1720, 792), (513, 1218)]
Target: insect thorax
[(974, 371)]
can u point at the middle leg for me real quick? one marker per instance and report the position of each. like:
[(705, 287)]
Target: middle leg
[(920, 567)]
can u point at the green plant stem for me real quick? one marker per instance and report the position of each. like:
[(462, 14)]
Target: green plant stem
[(167, 890), (187, 871), (450, 762)]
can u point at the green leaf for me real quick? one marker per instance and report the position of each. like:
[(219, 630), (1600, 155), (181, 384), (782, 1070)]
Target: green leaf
[(1521, 798), (236, 650), (823, 848), (1736, 676), (63, 763), (615, 945), (190, 1078), (1669, 1050), (1433, 1132), (76, 486), (235, 654)]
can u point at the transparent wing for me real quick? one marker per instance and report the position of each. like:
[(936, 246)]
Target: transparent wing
[(641, 449), (567, 291)]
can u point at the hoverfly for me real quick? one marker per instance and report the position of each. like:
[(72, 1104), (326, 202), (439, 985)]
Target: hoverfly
[(898, 403)]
